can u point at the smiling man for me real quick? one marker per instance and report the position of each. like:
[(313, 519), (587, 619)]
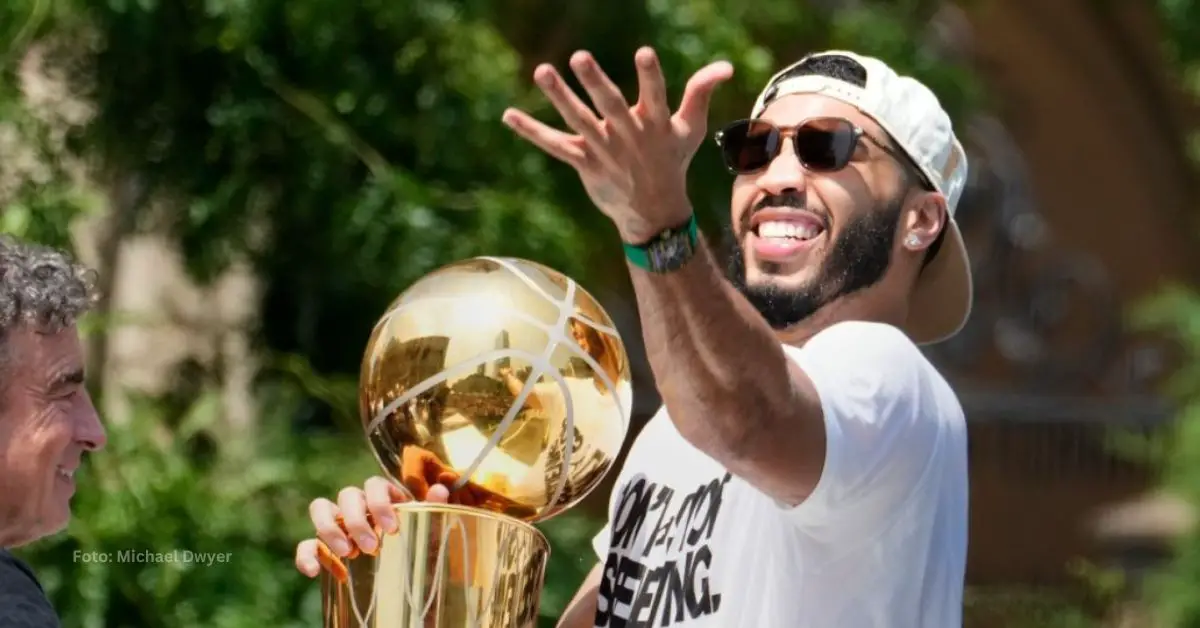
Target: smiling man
[(47, 420), (809, 466)]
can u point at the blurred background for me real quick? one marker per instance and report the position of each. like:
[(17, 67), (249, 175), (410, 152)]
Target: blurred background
[(256, 180)]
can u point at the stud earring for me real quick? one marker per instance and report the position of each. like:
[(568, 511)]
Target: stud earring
[(913, 240)]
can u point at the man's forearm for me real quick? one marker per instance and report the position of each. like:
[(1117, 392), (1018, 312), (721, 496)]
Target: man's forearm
[(581, 611), (718, 366)]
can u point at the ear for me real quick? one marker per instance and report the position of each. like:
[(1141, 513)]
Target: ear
[(923, 219)]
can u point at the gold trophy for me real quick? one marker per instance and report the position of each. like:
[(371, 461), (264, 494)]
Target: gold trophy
[(507, 382)]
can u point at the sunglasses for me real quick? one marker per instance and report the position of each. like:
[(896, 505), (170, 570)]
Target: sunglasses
[(821, 145)]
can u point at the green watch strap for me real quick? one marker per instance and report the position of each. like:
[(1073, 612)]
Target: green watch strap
[(639, 255)]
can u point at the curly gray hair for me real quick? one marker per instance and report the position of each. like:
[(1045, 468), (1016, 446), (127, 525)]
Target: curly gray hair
[(42, 287)]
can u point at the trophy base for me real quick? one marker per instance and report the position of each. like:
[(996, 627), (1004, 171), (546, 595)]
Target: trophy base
[(446, 566)]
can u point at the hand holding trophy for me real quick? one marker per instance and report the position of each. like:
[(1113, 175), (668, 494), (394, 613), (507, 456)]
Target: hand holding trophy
[(495, 394)]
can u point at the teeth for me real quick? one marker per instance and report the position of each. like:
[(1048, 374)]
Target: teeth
[(779, 229), (66, 474)]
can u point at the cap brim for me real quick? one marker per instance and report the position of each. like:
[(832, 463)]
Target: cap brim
[(942, 299)]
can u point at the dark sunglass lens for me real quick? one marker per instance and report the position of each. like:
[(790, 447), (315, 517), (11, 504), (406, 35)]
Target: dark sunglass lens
[(826, 146), (749, 145)]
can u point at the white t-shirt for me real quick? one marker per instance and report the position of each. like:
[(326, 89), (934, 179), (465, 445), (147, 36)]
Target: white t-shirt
[(881, 542)]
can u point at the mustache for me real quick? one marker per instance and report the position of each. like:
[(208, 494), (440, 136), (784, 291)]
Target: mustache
[(794, 200), (790, 200)]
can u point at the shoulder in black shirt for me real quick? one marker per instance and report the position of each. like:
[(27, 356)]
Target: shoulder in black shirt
[(23, 602)]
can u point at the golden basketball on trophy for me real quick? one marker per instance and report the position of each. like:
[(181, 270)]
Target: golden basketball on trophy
[(505, 381)]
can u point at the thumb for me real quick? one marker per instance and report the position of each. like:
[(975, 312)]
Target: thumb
[(438, 494), (692, 118)]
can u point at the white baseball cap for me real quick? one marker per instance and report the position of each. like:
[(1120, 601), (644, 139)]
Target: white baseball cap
[(911, 114)]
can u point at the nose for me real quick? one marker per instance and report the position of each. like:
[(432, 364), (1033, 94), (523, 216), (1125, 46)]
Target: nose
[(90, 432), (785, 174)]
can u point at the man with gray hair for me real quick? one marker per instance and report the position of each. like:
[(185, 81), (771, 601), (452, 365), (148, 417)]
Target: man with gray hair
[(47, 420)]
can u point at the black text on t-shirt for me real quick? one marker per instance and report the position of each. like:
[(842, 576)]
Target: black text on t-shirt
[(637, 590)]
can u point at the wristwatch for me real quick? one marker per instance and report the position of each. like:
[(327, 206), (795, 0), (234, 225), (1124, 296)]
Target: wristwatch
[(667, 251)]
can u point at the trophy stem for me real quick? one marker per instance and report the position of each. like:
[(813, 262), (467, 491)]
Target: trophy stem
[(447, 566), (417, 569)]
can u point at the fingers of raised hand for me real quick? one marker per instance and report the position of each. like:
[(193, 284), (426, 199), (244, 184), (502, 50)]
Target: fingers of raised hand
[(599, 141), (576, 113), (652, 88), (566, 148), (692, 118), (605, 94)]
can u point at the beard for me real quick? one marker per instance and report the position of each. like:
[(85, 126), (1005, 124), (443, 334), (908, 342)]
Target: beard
[(857, 259)]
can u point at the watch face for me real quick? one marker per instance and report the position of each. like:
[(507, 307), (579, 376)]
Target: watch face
[(670, 250)]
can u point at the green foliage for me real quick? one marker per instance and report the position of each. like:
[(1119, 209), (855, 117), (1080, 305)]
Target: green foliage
[(41, 191), (1180, 21), (1174, 593), (358, 136), (1022, 607), (571, 558)]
